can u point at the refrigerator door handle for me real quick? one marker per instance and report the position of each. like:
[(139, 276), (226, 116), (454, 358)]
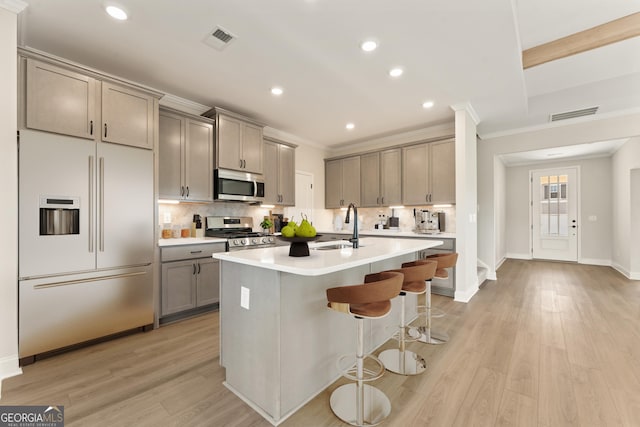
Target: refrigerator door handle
[(91, 231), (101, 209)]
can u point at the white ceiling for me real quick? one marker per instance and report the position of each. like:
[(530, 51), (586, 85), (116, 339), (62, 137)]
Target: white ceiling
[(453, 52), (581, 151)]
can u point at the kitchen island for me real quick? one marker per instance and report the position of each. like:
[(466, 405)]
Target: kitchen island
[(279, 342)]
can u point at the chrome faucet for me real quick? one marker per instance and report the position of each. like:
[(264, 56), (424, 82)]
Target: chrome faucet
[(354, 238)]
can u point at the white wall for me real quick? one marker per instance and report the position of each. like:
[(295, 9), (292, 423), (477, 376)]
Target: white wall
[(500, 210), (9, 211), (466, 204), (624, 160), (557, 135), (595, 200), (634, 238)]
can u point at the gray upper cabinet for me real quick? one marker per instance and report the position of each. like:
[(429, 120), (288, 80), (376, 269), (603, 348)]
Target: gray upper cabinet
[(381, 178), (443, 172), (342, 182), (67, 101), (186, 157), (279, 174), (239, 144), (428, 175), (60, 101), (127, 116)]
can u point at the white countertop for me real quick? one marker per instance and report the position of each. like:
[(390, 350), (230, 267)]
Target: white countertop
[(189, 241), (328, 261), (394, 233)]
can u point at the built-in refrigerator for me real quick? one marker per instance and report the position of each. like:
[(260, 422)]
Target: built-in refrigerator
[(85, 240)]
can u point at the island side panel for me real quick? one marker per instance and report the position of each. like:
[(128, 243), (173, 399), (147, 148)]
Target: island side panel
[(250, 339), (313, 336)]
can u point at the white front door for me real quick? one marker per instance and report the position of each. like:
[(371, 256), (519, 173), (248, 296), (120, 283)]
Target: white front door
[(554, 214)]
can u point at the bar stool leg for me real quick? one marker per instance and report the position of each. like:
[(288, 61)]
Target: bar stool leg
[(400, 360), (428, 336), (360, 404)]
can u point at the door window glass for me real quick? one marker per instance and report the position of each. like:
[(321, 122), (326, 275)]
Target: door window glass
[(554, 219)]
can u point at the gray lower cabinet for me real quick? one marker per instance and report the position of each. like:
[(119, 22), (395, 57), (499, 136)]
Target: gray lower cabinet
[(189, 283)]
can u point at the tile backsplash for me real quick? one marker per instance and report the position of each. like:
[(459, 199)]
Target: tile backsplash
[(369, 217), (322, 219)]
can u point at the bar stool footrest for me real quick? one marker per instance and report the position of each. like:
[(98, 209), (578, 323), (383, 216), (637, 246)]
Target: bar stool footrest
[(348, 367)]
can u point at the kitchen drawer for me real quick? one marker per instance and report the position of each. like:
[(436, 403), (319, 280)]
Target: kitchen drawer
[(176, 253)]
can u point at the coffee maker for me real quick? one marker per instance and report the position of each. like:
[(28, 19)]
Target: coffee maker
[(429, 221)]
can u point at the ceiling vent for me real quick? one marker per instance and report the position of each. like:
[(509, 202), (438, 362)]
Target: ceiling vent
[(573, 114), (219, 38)]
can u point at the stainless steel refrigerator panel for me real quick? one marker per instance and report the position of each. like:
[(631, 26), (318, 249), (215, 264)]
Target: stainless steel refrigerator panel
[(55, 166), (65, 310), (124, 206)]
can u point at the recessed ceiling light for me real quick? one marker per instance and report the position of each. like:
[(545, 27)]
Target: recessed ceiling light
[(276, 91), (369, 45), (350, 126), (116, 12), (396, 72), (427, 104)]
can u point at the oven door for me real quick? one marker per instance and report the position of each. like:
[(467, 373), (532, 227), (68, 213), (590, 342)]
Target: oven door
[(238, 186)]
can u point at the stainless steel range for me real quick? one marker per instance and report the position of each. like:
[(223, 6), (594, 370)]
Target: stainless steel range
[(239, 233)]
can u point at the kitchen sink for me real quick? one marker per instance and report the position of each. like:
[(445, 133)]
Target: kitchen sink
[(334, 246)]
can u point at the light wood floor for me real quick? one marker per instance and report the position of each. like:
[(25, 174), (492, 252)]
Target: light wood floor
[(548, 344)]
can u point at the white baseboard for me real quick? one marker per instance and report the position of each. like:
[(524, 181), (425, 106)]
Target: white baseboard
[(499, 264), (465, 296), (491, 275), (595, 261), (519, 256), (632, 275), (9, 367)]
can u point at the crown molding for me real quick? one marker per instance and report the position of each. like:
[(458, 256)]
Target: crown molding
[(15, 6), (466, 106), (184, 105)]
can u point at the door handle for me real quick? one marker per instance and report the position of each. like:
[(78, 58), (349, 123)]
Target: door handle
[(91, 225), (101, 211)]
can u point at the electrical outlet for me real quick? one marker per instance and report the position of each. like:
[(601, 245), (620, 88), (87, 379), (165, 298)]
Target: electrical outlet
[(245, 293), (167, 217), (593, 218)]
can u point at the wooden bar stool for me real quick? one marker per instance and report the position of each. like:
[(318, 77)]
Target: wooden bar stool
[(428, 335), (357, 403), (400, 360)]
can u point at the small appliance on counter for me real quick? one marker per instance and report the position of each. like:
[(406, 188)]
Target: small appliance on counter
[(393, 221), (429, 221)]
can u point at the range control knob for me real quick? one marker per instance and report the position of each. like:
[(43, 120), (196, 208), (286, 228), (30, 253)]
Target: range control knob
[(236, 242), (271, 239), (254, 241)]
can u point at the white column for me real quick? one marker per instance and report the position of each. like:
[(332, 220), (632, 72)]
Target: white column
[(9, 10), (466, 202)]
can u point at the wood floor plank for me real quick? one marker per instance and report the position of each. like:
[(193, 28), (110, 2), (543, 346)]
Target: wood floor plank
[(547, 344), (517, 410)]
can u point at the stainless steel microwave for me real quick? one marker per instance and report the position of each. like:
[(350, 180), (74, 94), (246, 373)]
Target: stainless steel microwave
[(239, 186)]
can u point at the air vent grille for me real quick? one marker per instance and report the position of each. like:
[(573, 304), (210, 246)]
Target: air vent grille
[(222, 36), (573, 114), (219, 38)]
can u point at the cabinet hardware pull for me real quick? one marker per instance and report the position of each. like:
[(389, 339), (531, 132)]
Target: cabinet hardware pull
[(382, 200), (194, 269), (198, 268), (240, 163), (91, 127), (187, 191), (105, 130), (91, 225), (182, 191), (196, 252), (101, 211), (377, 200)]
